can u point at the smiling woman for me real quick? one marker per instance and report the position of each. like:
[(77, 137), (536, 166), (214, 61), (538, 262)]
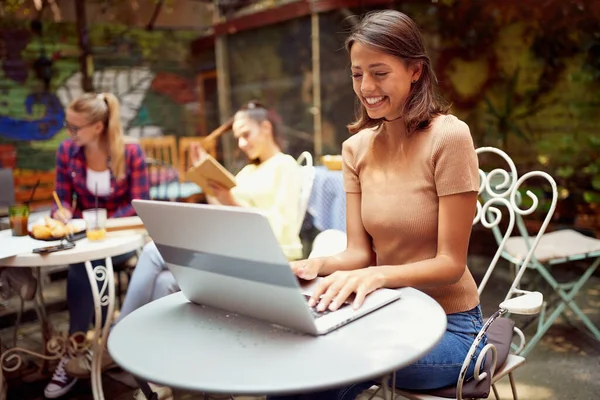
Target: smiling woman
[(392, 73), (411, 182)]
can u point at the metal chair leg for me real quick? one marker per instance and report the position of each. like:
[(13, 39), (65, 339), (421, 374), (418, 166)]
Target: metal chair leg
[(148, 393), (566, 300), (496, 395), (513, 386), (18, 321)]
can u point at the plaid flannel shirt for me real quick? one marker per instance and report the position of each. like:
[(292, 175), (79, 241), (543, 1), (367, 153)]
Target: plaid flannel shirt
[(71, 173)]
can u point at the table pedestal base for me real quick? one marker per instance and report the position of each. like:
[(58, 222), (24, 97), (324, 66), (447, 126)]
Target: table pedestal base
[(74, 345)]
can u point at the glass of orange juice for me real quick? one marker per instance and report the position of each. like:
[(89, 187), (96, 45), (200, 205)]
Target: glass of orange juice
[(95, 221)]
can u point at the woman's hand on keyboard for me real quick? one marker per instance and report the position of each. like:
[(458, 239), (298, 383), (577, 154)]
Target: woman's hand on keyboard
[(332, 291), (306, 269)]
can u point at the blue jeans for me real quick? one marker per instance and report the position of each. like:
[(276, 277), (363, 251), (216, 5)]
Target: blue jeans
[(439, 368), (79, 294), (151, 280)]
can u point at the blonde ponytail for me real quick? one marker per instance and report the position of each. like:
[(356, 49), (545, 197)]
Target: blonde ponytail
[(114, 136), (105, 107)]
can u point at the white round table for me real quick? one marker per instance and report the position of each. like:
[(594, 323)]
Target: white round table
[(115, 243), (174, 342)]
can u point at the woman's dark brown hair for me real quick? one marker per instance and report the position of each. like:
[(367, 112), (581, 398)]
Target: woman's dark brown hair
[(394, 33), (259, 113)]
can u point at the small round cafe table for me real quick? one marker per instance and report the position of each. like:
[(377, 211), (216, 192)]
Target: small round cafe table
[(115, 243), (174, 342)]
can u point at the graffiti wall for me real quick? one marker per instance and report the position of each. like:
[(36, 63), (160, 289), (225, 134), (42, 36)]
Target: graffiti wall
[(148, 71)]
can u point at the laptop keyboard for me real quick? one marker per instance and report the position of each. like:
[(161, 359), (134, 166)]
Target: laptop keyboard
[(317, 314)]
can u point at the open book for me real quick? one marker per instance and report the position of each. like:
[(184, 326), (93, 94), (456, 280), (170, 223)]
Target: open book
[(210, 169)]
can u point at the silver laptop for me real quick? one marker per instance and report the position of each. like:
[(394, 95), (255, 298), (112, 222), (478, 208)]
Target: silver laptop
[(229, 258)]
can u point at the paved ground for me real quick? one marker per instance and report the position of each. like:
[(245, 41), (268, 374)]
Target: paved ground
[(565, 365)]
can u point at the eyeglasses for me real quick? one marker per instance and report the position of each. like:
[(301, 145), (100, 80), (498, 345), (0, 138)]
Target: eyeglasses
[(252, 105), (74, 128)]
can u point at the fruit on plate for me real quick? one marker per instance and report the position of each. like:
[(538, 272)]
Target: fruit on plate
[(53, 229)]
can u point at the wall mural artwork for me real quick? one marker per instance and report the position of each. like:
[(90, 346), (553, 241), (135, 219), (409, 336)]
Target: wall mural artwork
[(43, 128), (147, 71), (129, 85)]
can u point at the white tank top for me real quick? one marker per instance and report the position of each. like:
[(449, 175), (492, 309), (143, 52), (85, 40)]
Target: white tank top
[(102, 179)]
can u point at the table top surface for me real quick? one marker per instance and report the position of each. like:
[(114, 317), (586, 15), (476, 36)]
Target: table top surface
[(174, 342), (115, 243)]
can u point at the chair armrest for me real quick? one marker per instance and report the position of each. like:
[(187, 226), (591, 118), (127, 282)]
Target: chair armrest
[(472, 350), (518, 348), (527, 304), (478, 373)]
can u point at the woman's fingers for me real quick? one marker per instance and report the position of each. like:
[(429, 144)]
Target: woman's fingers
[(361, 293), (216, 188), (63, 216), (296, 265), (318, 292), (308, 271), (215, 185), (197, 153), (332, 291), (342, 295)]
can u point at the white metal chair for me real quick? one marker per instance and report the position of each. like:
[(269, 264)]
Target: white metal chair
[(305, 160), (307, 176), (499, 362), (554, 249)]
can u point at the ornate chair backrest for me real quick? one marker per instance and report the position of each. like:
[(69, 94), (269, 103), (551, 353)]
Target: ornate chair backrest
[(498, 191)]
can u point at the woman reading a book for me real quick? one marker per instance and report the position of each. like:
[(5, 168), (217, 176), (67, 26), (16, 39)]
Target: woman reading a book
[(270, 182)]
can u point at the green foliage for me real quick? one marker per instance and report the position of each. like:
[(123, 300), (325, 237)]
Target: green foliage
[(574, 161)]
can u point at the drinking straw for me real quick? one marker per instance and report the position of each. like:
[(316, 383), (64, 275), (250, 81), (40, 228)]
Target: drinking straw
[(33, 192), (96, 202), (58, 203)]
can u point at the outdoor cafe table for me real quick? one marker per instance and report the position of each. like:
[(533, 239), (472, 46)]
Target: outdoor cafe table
[(174, 342), (115, 243)]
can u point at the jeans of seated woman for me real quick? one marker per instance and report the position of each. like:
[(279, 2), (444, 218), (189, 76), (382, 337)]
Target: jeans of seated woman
[(150, 280), (79, 294), (439, 368)]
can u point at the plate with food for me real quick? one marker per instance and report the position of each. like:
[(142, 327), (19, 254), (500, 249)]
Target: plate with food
[(52, 229)]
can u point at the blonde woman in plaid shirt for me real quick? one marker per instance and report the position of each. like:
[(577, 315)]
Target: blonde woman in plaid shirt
[(93, 161)]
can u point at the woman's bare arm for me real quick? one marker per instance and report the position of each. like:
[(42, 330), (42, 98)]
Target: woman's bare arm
[(456, 213)]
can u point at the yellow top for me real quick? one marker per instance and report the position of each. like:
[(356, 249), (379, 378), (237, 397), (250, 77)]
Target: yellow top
[(274, 186)]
